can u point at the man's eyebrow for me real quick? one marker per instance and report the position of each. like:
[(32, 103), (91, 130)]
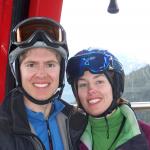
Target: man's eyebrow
[(52, 61), (48, 61), (30, 61)]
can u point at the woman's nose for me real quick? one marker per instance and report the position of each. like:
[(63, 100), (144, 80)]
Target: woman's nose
[(91, 89)]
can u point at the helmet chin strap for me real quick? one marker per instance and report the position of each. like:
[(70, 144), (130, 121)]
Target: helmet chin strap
[(41, 102), (109, 110)]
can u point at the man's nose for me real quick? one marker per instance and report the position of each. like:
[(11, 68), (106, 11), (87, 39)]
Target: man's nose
[(41, 71)]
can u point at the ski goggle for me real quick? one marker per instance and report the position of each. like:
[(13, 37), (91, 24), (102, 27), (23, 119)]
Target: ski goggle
[(29, 30), (94, 62)]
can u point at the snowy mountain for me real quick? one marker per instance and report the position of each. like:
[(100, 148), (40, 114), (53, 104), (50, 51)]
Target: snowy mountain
[(67, 94), (130, 63)]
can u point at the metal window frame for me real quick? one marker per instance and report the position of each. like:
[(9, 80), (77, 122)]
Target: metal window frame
[(141, 106)]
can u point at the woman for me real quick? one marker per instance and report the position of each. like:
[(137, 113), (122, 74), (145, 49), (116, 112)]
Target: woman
[(97, 80)]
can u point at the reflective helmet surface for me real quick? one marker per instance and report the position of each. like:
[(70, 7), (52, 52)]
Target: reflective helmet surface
[(40, 36), (97, 61), (38, 32)]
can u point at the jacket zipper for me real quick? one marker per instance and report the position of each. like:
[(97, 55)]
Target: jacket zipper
[(49, 135)]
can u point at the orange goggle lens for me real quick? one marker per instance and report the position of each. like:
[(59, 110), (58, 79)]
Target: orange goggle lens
[(25, 30)]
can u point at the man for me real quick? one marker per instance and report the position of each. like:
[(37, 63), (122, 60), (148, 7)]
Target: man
[(33, 116)]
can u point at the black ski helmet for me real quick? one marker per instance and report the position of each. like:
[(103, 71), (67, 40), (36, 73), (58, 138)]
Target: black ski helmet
[(96, 61), (38, 32)]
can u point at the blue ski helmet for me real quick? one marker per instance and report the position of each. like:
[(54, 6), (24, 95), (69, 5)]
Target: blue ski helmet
[(96, 61)]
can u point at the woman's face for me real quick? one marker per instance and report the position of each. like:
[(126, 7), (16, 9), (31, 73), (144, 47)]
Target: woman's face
[(95, 93)]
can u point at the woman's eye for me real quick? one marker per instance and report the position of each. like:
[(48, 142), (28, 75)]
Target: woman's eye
[(82, 85)]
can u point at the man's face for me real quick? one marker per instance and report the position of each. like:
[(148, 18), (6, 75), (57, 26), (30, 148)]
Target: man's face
[(95, 93), (40, 70)]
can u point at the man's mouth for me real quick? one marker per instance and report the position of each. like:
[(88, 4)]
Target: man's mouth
[(41, 85)]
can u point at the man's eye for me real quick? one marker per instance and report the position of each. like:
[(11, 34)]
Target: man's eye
[(30, 65), (51, 65)]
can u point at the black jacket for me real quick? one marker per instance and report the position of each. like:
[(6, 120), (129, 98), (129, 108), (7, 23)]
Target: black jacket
[(15, 131)]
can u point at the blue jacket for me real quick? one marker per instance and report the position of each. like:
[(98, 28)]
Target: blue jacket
[(43, 126), (16, 133)]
